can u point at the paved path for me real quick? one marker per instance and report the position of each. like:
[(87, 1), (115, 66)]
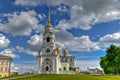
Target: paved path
[(17, 77)]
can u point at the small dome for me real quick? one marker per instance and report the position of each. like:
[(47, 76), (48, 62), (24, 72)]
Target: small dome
[(65, 51), (58, 49)]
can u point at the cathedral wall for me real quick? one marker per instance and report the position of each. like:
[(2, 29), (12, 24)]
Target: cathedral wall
[(72, 61), (66, 65)]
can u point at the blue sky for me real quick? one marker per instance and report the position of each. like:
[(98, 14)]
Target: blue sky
[(84, 27)]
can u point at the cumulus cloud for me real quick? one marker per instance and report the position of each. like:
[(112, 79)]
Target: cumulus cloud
[(20, 23), (63, 36), (37, 2), (109, 39), (34, 45), (35, 41), (26, 50), (4, 42), (83, 13), (62, 8), (58, 44), (9, 52), (82, 44)]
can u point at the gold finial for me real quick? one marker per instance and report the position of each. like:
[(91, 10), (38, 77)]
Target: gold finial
[(49, 24), (58, 49), (65, 51)]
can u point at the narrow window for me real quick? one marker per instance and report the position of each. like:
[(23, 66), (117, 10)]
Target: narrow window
[(48, 39), (71, 60)]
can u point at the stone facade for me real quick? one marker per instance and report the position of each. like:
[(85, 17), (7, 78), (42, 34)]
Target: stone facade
[(50, 58), (5, 64)]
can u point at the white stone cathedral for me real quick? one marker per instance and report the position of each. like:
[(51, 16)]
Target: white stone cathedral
[(51, 60)]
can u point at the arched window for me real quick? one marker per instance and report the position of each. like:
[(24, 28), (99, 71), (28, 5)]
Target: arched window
[(48, 39), (47, 50)]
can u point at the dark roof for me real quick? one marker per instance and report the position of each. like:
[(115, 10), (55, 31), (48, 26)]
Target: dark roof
[(6, 57)]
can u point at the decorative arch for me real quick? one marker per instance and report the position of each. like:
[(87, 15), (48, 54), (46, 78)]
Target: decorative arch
[(47, 66), (47, 59)]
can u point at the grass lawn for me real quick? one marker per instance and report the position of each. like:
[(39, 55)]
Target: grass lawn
[(70, 77)]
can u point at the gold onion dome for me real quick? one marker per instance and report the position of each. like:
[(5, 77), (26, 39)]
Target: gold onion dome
[(65, 51), (58, 49)]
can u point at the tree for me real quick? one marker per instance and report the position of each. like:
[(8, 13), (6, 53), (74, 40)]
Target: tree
[(111, 61)]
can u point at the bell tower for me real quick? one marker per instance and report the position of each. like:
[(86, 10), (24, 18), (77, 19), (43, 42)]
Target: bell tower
[(48, 37), (48, 57)]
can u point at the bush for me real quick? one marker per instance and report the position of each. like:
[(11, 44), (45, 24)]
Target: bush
[(72, 68), (64, 68)]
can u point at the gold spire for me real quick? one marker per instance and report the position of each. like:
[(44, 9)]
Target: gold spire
[(49, 24)]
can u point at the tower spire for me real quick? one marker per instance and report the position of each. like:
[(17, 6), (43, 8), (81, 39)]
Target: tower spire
[(49, 23)]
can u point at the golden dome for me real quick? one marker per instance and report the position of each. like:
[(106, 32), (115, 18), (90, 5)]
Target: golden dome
[(65, 51), (58, 49)]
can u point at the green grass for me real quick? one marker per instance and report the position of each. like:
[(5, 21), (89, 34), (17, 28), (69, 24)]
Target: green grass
[(71, 77)]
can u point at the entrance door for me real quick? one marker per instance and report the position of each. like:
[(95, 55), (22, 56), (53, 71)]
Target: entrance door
[(47, 68)]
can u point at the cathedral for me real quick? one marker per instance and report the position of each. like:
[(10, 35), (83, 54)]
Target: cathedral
[(52, 59)]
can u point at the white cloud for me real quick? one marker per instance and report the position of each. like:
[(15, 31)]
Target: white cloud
[(4, 42), (35, 40), (82, 44), (20, 23), (34, 45), (58, 44), (83, 13), (109, 39), (27, 50), (41, 16), (10, 53), (62, 8), (37, 2), (63, 36)]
